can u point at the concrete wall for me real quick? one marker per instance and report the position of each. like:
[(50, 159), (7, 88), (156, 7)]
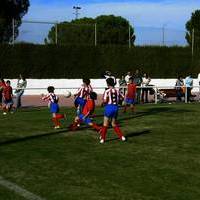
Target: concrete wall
[(38, 86)]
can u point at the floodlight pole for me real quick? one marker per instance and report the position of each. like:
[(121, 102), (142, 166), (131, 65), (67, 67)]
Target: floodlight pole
[(76, 8), (56, 33)]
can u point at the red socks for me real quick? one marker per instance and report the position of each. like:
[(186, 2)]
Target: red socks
[(96, 127), (103, 132), (118, 131), (60, 116)]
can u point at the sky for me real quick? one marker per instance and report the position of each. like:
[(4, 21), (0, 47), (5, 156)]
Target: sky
[(147, 16)]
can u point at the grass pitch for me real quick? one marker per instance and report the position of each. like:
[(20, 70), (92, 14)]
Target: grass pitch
[(160, 160)]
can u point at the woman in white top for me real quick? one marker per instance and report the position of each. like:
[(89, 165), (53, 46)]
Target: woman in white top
[(145, 82)]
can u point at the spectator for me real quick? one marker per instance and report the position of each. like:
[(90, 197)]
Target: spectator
[(127, 77), (122, 84), (145, 82), (108, 74), (21, 85), (137, 79), (179, 85), (188, 84)]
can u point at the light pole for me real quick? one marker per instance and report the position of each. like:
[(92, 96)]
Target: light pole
[(76, 8), (163, 33)]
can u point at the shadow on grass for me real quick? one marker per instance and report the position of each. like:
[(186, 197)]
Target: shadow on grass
[(153, 111), (42, 135), (130, 135)]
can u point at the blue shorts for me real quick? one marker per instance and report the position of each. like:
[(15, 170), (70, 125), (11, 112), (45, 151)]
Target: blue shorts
[(111, 111), (79, 101), (54, 108), (8, 102), (86, 120), (129, 101)]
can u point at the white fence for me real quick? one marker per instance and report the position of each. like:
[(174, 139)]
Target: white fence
[(38, 86)]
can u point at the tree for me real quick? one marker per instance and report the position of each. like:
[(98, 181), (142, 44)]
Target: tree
[(110, 30), (193, 28), (9, 10)]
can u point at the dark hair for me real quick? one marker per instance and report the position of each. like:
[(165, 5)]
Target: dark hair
[(86, 81), (110, 82), (2, 80), (93, 95), (50, 89), (8, 81), (131, 78)]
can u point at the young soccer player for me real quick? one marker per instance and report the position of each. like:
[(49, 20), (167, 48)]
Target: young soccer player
[(2, 86), (84, 117), (82, 95), (7, 98), (54, 107), (111, 98), (130, 95)]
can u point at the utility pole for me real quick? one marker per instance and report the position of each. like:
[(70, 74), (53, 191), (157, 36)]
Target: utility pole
[(76, 8)]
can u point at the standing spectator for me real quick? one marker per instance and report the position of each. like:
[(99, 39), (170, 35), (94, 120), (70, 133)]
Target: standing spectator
[(145, 83), (21, 85), (122, 84), (137, 79), (179, 85), (188, 84), (108, 74), (2, 86), (127, 77)]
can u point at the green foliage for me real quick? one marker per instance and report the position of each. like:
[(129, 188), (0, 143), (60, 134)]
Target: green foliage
[(9, 10), (110, 30), (50, 61), (194, 25)]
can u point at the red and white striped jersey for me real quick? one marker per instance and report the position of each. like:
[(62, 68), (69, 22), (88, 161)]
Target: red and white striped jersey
[(112, 96), (51, 98), (84, 91)]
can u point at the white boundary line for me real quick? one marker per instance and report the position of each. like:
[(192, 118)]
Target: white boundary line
[(22, 192)]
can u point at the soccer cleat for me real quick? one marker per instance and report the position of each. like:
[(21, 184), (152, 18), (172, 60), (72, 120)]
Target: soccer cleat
[(102, 141), (123, 138), (56, 127)]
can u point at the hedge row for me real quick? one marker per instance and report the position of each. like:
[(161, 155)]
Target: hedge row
[(40, 61)]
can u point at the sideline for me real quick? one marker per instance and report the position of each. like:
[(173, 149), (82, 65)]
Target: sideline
[(22, 192)]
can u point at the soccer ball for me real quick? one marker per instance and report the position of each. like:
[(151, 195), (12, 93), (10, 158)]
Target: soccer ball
[(67, 94)]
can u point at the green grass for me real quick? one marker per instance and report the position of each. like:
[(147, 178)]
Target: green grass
[(160, 160)]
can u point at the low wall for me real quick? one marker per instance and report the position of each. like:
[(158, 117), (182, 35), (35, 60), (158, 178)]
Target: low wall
[(38, 86)]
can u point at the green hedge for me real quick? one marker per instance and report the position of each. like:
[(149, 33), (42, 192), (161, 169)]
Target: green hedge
[(40, 61)]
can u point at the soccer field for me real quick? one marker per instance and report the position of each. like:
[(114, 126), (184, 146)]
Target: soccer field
[(159, 161)]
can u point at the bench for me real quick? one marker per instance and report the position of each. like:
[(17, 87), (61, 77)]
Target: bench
[(171, 93)]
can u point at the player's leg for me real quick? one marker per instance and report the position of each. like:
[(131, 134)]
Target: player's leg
[(104, 129), (117, 130)]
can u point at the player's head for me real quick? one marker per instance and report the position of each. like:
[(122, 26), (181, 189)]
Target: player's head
[(50, 89), (7, 82), (110, 82), (93, 95), (131, 80), (86, 81)]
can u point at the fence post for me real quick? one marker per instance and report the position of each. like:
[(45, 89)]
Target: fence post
[(13, 31), (156, 95), (192, 42), (56, 33), (129, 35), (185, 94)]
